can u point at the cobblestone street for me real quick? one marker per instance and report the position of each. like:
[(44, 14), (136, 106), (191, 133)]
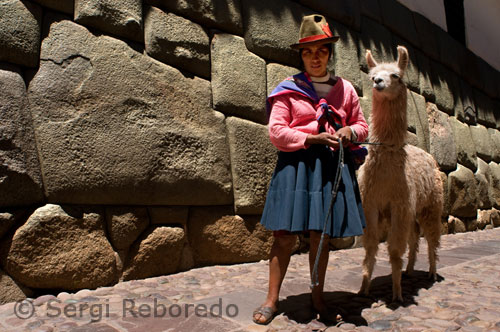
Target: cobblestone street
[(222, 298)]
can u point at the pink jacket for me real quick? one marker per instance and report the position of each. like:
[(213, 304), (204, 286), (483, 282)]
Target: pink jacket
[(293, 117)]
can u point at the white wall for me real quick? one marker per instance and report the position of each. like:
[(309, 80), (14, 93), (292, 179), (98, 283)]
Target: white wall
[(432, 9), (482, 29)]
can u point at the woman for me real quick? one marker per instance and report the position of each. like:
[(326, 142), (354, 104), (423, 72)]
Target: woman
[(309, 114)]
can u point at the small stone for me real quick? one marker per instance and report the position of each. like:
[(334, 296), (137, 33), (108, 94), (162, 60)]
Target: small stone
[(380, 325), (347, 326), (452, 328), (403, 323), (43, 299), (443, 304)]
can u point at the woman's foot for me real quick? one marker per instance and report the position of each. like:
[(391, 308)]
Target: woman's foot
[(265, 313)]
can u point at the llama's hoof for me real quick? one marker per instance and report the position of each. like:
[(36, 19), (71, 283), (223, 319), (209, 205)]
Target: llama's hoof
[(398, 299), (433, 276), (364, 292), (409, 272)]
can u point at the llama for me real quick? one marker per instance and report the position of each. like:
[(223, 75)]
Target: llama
[(399, 183)]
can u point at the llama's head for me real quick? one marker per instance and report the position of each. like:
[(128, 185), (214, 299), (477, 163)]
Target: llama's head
[(387, 77)]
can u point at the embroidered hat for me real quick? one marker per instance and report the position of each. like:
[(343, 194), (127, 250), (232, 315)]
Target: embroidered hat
[(314, 30)]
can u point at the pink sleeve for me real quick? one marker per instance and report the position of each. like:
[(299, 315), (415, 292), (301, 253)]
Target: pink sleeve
[(356, 119), (282, 136)]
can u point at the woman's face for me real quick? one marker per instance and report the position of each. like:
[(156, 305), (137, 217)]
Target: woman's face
[(315, 59)]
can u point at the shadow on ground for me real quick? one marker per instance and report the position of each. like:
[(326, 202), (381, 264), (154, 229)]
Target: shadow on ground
[(351, 305)]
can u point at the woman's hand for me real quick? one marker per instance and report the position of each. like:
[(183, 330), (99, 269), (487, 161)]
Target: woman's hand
[(345, 134), (323, 138)]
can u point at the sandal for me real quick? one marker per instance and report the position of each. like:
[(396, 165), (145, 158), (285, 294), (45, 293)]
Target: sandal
[(266, 312)]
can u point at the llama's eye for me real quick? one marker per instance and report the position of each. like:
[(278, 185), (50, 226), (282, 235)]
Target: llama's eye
[(395, 76)]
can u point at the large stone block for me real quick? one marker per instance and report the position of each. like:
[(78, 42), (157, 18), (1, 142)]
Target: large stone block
[(417, 119), (495, 183), (345, 55), (463, 192), (60, 247), (277, 73), (488, 75), (65, 6), (426, 32), (243, 94), (219, 237), (11, 290), (20, 23), (177, 41), (366, 99), (165, 215), (20, 178), (442, 142), (441, 82), (119, 128), (495, 144), (426, 77), (452, 53), (371, 9), (485, 109), (399, 19), (157, 252), (466, 111), (482, 141), (376, 38), (253, 159), (125, 224), (466, 150), (271, 27), (347, 12), (471, 71), (224, 15), (483, 180), (123, 18)]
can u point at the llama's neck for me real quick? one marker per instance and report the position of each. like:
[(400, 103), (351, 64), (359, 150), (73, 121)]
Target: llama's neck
[(388, 120)]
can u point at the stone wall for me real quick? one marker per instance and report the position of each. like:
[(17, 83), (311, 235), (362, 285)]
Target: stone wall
[(133, 139)]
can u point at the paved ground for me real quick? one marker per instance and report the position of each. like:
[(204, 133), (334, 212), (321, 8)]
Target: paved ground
[(221, 298)]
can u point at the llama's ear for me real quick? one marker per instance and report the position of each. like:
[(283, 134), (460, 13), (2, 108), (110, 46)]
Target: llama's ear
[(370, 60), (402, 58)]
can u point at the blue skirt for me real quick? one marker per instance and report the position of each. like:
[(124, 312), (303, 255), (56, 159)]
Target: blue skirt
[(301, 189)]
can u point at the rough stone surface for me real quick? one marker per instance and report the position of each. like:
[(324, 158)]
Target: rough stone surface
[(125, 224), (122, 18), (495, 144), (246, 93), (399, 19), (60, 247), (426, 32), (20, 32), (495, 217), (177, 41), (65, 6), (345, 54), (490, 82), (482, 141), (12, 291), (443, 87), (442, 143), (366, 99), (371, 9), (452, 53), (220, 237), (20, 178), (455, 225), (471, 71), (484, 218), (495, 183), (466, 149), (378, 40), (271, 27), (425, 77), (117, 127), (177, 215), (347, 12), (417, 119), (224, 15), (463, 192), (467, 112), (485, 109), (253, 159), (483, 180), (277, 73), (157, 252)]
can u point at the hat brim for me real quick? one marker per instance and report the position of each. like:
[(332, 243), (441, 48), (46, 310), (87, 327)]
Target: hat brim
[(315, 42)]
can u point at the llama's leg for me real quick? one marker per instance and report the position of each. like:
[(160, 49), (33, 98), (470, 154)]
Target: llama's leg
[(396, 245), (370, 243), (413, 243), (432, 233)]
